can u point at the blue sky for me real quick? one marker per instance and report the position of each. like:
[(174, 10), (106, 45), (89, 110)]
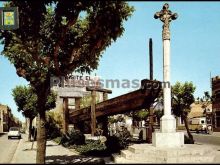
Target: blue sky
[(195, 49)]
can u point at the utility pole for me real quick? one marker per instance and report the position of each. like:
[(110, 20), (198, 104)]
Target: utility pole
[(150, 129)]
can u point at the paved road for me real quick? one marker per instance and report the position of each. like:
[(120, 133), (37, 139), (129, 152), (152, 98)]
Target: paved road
[(213, 139), (7, 148)]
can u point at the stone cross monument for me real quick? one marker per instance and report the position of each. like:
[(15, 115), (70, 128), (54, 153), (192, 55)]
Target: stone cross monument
[(167, 137)]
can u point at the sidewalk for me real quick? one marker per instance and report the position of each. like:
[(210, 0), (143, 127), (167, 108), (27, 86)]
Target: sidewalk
[(54, 154)]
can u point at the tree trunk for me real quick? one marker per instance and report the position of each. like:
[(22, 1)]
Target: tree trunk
[(41, 138), (42, 92), (187, 128), (30, 129)]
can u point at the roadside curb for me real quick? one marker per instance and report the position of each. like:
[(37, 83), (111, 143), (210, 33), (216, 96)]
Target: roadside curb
[(16, 152)]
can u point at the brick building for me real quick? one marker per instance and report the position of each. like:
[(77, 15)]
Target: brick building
[(7, 119), (216, 102), (5, 113)]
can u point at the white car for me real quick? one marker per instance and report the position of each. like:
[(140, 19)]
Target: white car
[(14, 132)]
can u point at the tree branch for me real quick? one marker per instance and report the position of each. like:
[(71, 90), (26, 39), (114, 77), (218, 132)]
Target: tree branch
[(61, 40)]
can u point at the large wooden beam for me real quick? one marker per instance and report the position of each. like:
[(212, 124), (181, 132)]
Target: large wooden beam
[(98, 89), (135, 100)]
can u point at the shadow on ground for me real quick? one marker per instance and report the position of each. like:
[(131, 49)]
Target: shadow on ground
[(73, 159), (52, 145), (1, 134)]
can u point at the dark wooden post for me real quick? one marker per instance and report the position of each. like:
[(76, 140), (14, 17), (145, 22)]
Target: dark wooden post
[(65, 115), (104, 119), (93, 116), (151, 58), (150, 130), (93, 102), (79, 125)]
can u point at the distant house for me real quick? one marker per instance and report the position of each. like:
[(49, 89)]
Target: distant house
[(196, 111)]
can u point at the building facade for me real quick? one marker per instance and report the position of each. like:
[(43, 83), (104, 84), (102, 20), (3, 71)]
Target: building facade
[(216, 102), (7, 119)]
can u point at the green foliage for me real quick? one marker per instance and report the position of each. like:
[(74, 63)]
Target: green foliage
[(115, 119), (205, 101), (141, 114), (75, 137), (54, 38), (118, 141), (53, 125), (112, 120), (26, 100), (92, 148), (86, 101), (182, 98)]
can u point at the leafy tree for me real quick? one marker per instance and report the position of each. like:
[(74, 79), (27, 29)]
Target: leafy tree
[(86, 101), (57, 37), (26, 100), (205, 101), (141, 114), (182, 98)]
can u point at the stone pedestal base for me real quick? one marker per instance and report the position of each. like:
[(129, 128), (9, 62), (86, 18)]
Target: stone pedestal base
[(168, 140), (168, 137), (168, 123), (147, 153)]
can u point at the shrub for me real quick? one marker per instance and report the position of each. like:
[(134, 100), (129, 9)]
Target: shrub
[(92, 147), (75, 137), (118, 141), (112, 143), (53, 125)]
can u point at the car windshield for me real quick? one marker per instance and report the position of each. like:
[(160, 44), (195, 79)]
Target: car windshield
[(14, 129)]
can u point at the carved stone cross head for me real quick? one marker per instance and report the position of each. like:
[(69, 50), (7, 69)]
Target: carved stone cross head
[(166, 16)]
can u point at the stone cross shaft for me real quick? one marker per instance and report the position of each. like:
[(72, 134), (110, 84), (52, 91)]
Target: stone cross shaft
[(168, 120), (166, 16), (167, 137)]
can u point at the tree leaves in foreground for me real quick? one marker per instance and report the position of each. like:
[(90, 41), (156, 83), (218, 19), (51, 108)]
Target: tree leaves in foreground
[(57, 37)]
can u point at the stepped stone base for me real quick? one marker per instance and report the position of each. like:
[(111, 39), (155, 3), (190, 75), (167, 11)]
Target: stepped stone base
[(147, 153), (173, 139)]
